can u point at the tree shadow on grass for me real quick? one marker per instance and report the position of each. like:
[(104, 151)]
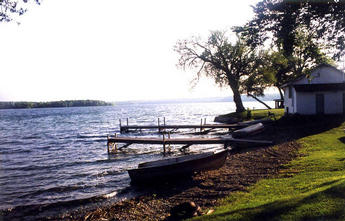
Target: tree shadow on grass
[(294, 127), (288, 209), (253, 166), (342, 139)]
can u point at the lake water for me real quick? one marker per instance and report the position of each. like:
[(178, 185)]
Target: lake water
[(57, 155)]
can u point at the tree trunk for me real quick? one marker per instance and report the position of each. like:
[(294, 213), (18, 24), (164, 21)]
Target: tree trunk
[(281, 93), (237, 98), (268, 107)]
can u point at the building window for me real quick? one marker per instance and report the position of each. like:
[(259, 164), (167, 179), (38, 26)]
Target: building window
[(290, 91)]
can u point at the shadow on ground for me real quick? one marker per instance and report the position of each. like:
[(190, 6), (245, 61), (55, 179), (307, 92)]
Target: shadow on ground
[(282, 209), (290, 128), (342, 139)]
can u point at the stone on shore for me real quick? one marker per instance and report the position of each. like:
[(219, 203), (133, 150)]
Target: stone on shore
[(185, 210)]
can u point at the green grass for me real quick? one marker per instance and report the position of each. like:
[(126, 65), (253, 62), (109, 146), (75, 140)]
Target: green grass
[(311, 187), (256, 114)]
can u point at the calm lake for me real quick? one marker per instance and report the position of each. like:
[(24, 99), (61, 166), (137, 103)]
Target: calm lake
[(58, 155)]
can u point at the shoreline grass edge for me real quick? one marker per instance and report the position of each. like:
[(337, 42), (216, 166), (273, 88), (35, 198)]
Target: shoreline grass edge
[(311, 187)]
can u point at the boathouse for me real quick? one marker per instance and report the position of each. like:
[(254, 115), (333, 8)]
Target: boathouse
[(321, 92)]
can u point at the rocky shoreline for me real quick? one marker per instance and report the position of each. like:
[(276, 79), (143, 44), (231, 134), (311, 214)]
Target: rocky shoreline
[(205, 189)]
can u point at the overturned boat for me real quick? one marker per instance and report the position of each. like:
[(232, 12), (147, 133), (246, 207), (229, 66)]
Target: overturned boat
[(247, 131), (177, 167)]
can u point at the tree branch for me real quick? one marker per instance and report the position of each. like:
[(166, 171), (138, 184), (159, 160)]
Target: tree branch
[(250, 95)]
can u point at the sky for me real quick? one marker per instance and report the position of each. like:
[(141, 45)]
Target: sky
[(110, 50)]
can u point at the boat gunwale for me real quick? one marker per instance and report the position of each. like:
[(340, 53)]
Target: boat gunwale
[(226, 151), (186, 158)]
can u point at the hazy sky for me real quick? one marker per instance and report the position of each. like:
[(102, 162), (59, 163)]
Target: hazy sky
[(109, 50)]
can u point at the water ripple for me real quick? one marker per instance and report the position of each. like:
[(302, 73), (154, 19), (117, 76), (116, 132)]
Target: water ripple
[(58, 155)]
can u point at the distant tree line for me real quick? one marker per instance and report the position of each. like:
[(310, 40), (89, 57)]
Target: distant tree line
[(66, 103), (285, 39)]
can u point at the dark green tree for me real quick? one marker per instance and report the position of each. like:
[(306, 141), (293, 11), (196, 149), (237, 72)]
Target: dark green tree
[(278, 21), (306, 55), (301, 33), (231, 64)]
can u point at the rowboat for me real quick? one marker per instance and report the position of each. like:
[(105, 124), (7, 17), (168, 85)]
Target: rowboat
[(250, 130), (162, 170)]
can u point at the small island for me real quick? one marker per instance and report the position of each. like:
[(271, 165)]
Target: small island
[(63, 103)]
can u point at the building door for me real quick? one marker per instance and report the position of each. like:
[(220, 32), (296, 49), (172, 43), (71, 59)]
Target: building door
[(320, 104), (343, 103)]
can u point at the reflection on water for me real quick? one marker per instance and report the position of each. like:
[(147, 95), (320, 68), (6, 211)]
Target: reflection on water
[(59, 154)]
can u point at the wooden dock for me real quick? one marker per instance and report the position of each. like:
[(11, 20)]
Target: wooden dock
[(163, 127), (127, 128), (185, 141)]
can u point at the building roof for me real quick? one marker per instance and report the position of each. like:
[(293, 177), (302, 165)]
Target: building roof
[(303, 76), (319, 87)]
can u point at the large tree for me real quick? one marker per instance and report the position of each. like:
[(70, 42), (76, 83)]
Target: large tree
[(231, 64), (300, 32)]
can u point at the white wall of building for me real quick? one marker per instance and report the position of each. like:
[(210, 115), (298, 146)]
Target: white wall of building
[(334, 102), (305, 102), (290, 102)]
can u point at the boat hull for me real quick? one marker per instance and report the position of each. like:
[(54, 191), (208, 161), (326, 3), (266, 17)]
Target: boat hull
[(177, 170), (247, 131)]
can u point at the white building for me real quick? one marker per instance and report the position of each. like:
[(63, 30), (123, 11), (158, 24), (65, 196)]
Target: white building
[(323, 92)]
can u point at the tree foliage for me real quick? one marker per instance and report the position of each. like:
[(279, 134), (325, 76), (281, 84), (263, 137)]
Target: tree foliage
[(227, 63), (305, 56), (280, 20), (301, 35), (11, 8)]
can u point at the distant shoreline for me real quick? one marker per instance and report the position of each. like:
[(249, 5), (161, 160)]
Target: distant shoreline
[(51, 104)]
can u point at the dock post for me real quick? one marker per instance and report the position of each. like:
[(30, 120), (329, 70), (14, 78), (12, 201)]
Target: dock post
[(108, 143), (159, 129), (120, 125), (169, 148), (115, 144), (164, 123), (127, 121), (205, 121), (163, 143), (201, 125)]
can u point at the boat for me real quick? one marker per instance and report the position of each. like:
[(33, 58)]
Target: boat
[(250, 130), (178, 167), (252, 122)]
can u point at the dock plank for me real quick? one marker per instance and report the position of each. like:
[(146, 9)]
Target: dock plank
[(185, 141), (125, 128)]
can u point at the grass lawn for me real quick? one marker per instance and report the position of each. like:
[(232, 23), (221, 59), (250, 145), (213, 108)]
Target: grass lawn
[(255, 114), (311, 187)]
